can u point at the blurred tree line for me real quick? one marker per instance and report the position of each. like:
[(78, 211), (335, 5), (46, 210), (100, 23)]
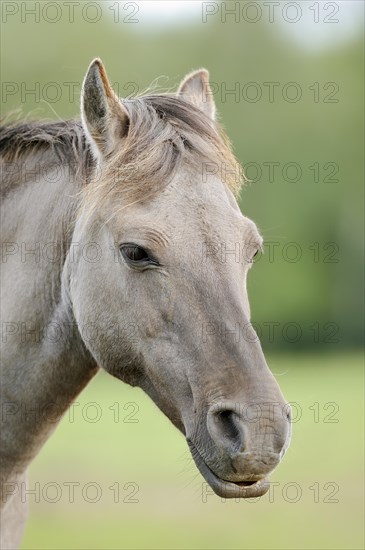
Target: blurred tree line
[(295, 117)]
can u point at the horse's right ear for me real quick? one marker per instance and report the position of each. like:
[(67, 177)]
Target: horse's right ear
[(104, 117)]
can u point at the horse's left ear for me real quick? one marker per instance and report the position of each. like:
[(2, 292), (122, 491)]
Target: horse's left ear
[(196, 89)]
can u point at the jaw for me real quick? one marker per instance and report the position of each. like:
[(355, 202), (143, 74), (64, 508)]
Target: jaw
[(228, 489)]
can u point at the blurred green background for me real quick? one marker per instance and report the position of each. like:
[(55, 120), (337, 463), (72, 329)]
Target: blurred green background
[(296, 121)]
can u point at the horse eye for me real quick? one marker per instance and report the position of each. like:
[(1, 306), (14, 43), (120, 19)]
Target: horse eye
[(135, 254)]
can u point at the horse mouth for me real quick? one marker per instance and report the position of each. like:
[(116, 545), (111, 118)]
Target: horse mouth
[(228, 489)]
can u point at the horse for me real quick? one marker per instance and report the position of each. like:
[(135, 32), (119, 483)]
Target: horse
[(128, 217)]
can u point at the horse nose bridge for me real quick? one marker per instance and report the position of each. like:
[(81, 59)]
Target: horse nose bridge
[(226, 320), (239, 352)]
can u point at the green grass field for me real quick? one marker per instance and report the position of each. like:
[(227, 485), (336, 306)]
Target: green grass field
[(135, 486)]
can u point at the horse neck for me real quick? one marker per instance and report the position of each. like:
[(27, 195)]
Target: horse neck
[(43, 370)]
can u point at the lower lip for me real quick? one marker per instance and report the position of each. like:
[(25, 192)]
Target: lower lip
[(230, 489)]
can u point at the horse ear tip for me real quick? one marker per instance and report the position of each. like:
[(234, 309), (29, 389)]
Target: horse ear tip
[(97, 71), (202, 71), (201, 75), (96, 63), (199, 72)]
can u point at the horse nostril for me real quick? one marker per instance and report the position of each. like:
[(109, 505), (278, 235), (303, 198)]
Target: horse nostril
[(227, 421), (227, 429)]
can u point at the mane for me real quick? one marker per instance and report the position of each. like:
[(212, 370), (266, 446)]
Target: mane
[(50, 143), (164, 132)]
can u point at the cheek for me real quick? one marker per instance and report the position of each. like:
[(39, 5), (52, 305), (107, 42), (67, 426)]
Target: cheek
[(106, 322), (154, 306)]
